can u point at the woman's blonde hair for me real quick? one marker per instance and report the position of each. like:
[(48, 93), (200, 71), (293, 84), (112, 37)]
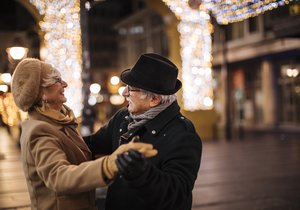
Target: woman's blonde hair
[(51, 78)]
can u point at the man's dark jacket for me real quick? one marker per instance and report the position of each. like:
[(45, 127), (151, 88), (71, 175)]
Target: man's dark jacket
[(169, 178)]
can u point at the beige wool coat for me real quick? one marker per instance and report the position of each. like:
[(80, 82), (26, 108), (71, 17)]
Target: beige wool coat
[(57, 166)]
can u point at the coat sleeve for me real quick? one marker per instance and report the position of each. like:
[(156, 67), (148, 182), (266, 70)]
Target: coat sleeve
[(100, 143), (55, 170), (175, 178)]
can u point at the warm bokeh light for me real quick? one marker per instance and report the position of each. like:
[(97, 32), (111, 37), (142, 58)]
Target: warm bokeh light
[(8, 109), (114, 80), (116, 99), (95, 88), (292, 72), (92, 100), (6, 78), (3, 88), (17, 53), (121, 90)]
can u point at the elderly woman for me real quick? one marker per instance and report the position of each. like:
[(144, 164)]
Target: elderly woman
[(58, 166)]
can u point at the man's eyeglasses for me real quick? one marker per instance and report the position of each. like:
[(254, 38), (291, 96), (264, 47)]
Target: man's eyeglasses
[(131, 89)]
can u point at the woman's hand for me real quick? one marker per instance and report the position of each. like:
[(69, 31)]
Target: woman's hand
[(109, 163)]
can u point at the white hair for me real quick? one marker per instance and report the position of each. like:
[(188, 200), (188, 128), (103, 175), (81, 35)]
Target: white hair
[(164, 98), (51, 78)]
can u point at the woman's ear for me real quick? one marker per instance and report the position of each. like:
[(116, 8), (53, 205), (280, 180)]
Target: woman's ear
[(155, 100)]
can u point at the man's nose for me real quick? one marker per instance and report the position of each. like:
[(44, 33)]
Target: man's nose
[(125, 91)]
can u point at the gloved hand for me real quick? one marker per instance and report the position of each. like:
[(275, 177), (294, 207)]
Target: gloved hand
[(109, 166), (131, 164)]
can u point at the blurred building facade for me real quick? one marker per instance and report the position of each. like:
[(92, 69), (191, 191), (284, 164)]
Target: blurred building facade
[(258, 58), (262, 58)]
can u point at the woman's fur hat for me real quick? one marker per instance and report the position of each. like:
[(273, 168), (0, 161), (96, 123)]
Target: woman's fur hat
[(26, 82)]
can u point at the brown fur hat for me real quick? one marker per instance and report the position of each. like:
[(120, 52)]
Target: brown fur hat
[(26, 82)]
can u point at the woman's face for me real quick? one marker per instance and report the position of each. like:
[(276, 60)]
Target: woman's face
[(54, 94)]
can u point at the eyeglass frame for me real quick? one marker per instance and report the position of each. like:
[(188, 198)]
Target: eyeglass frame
[(58, 80), (130, 89)]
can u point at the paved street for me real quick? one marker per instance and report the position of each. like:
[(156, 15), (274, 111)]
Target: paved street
[(252, 174), (13, 189), (258, 173)]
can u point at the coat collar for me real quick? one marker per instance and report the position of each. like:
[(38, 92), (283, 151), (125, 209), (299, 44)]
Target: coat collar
[(155, 125), (34, 115)]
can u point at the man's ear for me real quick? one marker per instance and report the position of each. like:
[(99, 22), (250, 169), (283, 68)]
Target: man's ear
[(155, 100)]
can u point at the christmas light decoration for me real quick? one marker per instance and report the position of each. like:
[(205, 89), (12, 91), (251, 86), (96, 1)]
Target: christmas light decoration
[(195, 39), (230, 11), (62, 44), (9, 112)]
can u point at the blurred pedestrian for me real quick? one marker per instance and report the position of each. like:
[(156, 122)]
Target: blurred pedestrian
[(56, 161), (153, 116)]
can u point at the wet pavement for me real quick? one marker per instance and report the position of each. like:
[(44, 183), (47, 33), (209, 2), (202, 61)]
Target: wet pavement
[(257, 173), (13, 189)]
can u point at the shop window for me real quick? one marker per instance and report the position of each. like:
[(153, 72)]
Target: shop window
[(253, 24), (235, 31)]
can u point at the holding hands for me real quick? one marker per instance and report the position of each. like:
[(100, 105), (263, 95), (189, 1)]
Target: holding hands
[(131, 164), (133, 151)]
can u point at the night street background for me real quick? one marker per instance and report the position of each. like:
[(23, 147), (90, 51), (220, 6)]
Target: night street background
[(257, 173)]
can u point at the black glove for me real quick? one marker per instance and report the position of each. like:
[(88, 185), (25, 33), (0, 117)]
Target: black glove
[(132, 164)]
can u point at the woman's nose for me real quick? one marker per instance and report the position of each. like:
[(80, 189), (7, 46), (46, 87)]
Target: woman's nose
[(64, 84)]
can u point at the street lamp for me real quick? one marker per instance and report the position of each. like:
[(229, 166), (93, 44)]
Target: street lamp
[(17, 51)]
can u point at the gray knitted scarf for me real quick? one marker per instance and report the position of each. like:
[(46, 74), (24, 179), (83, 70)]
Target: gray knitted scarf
[(141, 119)]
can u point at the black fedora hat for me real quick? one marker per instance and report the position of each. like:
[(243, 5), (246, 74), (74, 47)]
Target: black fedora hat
[(154, 73)]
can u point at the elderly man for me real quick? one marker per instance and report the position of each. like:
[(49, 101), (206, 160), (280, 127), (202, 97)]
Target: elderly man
[(153, 116)]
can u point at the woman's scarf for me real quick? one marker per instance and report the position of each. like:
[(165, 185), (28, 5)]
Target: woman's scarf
[(141, 119), (64, 116)]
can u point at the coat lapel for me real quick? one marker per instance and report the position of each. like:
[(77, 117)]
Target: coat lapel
[(70, 133)]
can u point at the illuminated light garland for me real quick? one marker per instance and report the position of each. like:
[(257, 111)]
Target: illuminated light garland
[(195, 39), (230, 11), (63, 49), (8, 110), (195, 31)]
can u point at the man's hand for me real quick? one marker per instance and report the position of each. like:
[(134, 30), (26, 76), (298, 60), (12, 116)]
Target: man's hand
[(109, 166), (131, 164)]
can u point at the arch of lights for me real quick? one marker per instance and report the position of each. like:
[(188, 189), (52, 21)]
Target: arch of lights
[(61, 26), (195, 30)]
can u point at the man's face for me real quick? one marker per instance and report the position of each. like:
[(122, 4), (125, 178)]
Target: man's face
[(138, 103)]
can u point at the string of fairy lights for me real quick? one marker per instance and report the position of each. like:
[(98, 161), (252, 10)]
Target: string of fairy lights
[(195, 40), (238, 10), (62, 44), (195, 30)]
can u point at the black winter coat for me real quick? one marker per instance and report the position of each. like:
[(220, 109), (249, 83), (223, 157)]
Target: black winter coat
[(169, 179)]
